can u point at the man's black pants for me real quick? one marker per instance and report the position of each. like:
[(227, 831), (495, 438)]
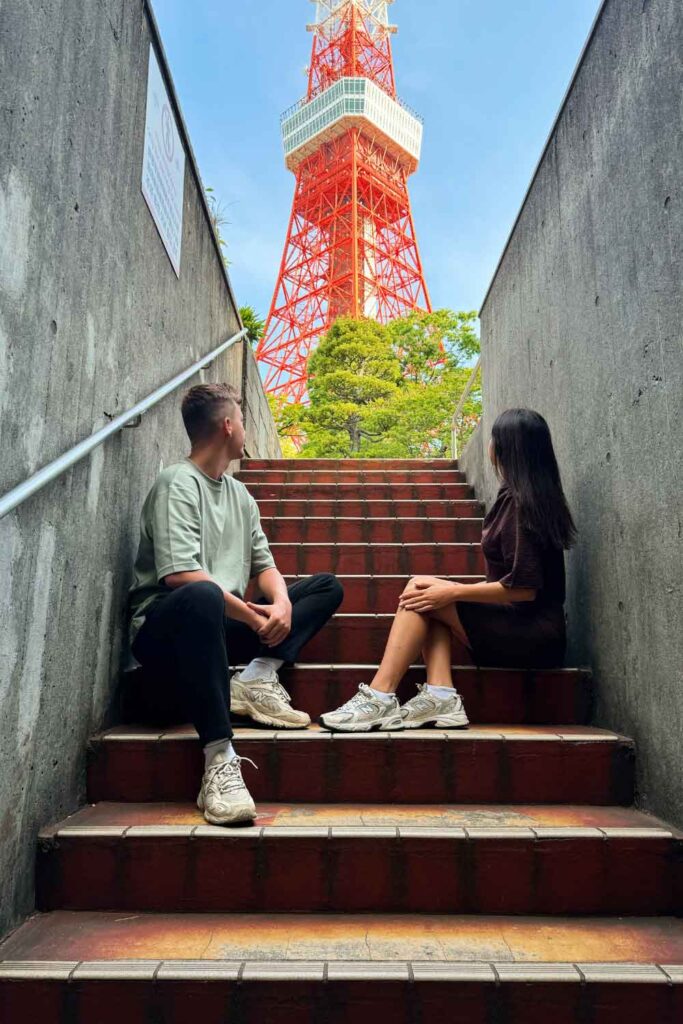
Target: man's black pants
[(186, 644)]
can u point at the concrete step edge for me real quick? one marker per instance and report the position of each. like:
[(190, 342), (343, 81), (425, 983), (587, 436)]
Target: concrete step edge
[(363, 519), (525, 734), (367, 833), (488, 972)]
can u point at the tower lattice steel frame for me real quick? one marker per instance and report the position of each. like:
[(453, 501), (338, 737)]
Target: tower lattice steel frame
[(351, 247)]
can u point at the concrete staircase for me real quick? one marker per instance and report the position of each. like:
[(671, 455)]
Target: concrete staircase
[(495, 876)]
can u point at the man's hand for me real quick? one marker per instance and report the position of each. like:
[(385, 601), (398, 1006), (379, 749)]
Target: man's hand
[(427, 594), (275, 621)]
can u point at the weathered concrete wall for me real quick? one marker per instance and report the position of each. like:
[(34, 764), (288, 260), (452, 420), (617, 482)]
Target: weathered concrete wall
[(261, 440), (92, 318), (584, 323)]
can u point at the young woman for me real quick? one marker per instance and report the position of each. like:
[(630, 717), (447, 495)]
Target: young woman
[(515, 619)]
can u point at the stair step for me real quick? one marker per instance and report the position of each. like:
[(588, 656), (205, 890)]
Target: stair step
[(363, 635), (434, 465), (371, 531), (379, 559), (320, 866), (491, 696), (467, 970), (384, 492), (378, 594), (489, 764), (347, 476), (359, 506)]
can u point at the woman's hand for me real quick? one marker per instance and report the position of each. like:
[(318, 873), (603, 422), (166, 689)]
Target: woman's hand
[(427, 594)]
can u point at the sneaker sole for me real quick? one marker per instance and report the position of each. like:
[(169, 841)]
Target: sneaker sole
[(240, 817), (248, 711), (440, 722), (361, 727)]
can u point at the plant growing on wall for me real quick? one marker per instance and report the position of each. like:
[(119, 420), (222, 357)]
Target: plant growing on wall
[(254, 324), (218, 220)]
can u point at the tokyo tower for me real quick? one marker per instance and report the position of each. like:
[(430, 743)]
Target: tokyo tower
[(351, 248)]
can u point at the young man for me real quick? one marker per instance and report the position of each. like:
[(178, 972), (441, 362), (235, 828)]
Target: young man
[(201, 542)]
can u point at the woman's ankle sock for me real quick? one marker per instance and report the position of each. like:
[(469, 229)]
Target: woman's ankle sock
[(441, 691), (224, 747), (381, 694)]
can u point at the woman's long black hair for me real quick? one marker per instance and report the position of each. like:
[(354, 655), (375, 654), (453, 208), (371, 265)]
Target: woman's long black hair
[(525, 459)]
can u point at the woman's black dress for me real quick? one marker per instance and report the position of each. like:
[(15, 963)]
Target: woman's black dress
[(525, 634)]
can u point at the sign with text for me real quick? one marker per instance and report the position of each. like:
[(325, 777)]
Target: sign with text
[(163, 164)]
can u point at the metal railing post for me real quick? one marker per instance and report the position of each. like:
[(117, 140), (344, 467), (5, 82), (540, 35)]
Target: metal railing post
[(457, 415)]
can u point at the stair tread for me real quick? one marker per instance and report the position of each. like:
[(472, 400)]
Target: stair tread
[(75, 936), (567, 817), (344, 666), (376, 519), (573, 733)]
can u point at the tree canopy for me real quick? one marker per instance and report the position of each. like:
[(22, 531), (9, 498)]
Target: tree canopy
[(386, 391)]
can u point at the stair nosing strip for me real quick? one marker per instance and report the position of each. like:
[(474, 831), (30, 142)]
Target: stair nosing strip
[(501, 972)]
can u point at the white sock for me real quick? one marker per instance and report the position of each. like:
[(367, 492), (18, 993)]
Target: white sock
[(441, 691), (381, 694), (260, 667), (218, 747)]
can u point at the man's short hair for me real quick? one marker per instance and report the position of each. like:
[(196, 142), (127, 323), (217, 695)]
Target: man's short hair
[(205, 406)]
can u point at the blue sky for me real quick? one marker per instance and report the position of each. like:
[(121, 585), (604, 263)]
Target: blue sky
[(488, 77)]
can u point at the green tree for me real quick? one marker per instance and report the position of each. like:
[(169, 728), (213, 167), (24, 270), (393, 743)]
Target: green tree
[(254, 324), (416, 422), (353, 368), (428, 345), (386, 391)]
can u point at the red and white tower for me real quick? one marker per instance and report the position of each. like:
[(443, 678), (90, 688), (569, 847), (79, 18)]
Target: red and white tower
[(351, 248)]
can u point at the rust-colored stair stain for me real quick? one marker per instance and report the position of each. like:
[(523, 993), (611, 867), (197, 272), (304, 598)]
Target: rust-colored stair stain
[(500, 873), (94, 936), (375, 816)]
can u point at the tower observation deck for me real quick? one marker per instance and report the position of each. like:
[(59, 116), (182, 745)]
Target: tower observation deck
[(351, 143)]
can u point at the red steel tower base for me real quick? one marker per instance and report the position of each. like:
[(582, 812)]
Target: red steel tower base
[(351, 248)]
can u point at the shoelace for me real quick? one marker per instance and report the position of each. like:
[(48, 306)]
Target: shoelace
[(279, 690), (360, 699), (227, 776)]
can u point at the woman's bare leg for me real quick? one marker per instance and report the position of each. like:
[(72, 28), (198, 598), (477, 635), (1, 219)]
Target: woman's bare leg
[(406, 639), (449, 616), (436, 652)]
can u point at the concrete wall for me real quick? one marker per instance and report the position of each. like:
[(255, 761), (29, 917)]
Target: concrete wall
[(583, 322), (92, 318), (261, 440)]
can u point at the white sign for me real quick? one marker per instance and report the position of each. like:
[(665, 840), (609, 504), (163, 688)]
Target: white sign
[(163, 165)]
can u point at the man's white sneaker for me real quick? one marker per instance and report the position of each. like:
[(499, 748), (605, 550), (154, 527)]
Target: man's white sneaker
[(223, 797), (266, 701), (364, 712), (425, 708)]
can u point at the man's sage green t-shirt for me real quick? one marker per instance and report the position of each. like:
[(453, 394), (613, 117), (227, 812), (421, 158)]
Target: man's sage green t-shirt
[(191, 521)]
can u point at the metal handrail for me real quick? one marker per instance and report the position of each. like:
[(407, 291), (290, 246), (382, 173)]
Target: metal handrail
[(79, 451), (457, 415)]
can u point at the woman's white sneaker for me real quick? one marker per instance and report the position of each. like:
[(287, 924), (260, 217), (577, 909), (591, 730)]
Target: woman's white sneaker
[(426, 708), (224, 798), (364, 712)]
